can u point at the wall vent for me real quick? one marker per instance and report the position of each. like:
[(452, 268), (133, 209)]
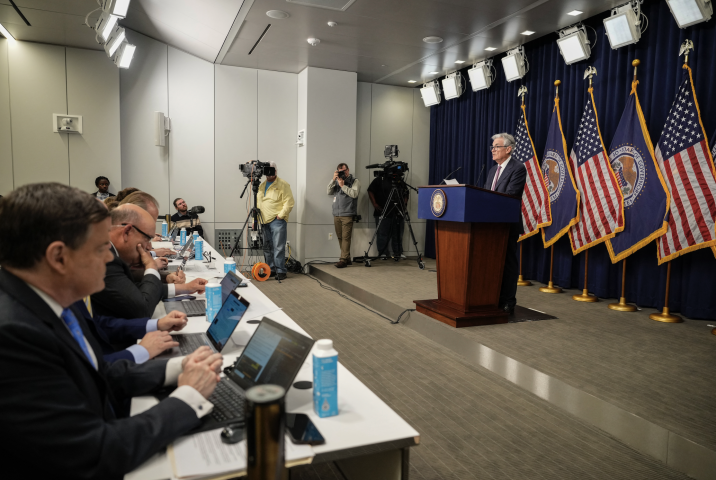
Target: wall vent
[(340, 5)]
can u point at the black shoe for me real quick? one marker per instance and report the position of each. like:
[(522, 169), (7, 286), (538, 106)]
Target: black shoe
[(510, 309), (396, 258), (273, 274), (280, 276)]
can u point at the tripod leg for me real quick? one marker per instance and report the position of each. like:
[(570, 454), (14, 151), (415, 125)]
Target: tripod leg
[(406, 215)]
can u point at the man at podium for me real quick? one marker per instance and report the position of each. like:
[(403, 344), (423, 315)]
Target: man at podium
[(508, 176)]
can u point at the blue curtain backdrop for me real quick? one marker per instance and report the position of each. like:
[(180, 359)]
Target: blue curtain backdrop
[(460, 132)]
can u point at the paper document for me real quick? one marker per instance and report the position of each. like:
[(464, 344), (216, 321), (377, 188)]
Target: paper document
[(204, 455)]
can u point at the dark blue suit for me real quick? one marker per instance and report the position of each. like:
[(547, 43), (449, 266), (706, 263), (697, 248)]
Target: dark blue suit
[(512, 182)]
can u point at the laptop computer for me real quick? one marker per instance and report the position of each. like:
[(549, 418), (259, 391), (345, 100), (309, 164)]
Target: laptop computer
[(197, 308), (185, 250), (221, 329), (274, 355)]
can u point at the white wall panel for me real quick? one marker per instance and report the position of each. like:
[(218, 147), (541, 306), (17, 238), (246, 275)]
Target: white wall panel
[(93, 92), (6, 175), (38, 86), (191, 141), (363, 151), (236, 134), (420, 159), (143, 90), (277, 118)]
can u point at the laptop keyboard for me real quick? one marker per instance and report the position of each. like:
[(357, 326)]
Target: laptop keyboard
[(228, 402), (195, 307), (189, 343)]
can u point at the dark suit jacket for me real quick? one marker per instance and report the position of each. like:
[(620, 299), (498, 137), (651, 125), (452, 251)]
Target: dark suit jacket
[(122, 297), (57, 411), (512, 182)]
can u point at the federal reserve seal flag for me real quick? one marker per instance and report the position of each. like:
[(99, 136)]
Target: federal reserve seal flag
[(562, 191), (646, 196)]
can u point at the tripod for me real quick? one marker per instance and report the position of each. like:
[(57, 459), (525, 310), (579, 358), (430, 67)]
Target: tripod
[(395, 204), (257, 221)]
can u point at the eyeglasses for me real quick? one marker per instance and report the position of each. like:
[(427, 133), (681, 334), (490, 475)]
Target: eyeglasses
[(149, 238), (494, 147)]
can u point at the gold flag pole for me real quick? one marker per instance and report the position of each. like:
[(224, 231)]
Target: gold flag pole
[(585, 296), (550, 288), (665, 316), (521, 282), (622, 306)]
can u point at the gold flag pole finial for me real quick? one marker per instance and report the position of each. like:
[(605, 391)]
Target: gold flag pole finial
[(521, 93), (590, 72), (635, 63), (686, 47), (557, 83)]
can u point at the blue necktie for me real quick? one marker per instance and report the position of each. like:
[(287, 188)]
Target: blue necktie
[(71, 321)]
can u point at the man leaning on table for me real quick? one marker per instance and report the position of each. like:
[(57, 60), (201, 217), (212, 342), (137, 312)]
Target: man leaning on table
[(59, 397)]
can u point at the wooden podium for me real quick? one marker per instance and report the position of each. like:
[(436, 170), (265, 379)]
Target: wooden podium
[(471, 231)]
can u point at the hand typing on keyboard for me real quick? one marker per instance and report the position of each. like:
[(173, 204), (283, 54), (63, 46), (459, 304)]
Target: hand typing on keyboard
[(201, 371)]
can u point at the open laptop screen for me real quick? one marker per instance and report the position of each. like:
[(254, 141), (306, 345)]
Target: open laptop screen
[(274, 355), (226, 320), (228, 285)]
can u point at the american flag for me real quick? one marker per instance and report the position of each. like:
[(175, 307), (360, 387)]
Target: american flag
[(687, 166), (601, 211), (535, 199)]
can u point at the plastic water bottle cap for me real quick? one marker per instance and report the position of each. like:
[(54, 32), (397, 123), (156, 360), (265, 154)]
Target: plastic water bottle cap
[(230, 261), (324, 344), (212, 285), (183, 229)]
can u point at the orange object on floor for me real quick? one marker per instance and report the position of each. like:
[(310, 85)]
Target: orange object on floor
[(261, 272)]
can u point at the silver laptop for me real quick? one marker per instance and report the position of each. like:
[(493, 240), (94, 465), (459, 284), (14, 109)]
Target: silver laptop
[(197, 308)]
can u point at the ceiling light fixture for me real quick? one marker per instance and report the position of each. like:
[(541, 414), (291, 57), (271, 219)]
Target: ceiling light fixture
[(114, 41), (481, 75), (433, 73), (104, 26), (490, 49), (515, 64), (412, 81), (574, 13), (125, 55), (313, 41), (624, 25), (6, 34), (690, 12), (452, 85), (527, 32), (277, 14), (459, 61), (116, 7), (432, 39), (573, 44), (332, 24), (430, 93)]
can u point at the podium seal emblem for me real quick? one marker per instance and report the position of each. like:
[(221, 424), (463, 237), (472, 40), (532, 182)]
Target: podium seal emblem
[(438, 203)]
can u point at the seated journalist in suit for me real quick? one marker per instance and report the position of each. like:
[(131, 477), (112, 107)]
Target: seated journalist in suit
[(507, 176), (59, 396), (123, 296)]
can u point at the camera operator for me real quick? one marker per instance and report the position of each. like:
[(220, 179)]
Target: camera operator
[(275, 201), (345, 189), (392, 227)]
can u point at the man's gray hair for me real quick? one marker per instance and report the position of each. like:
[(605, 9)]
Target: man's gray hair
[(509, 139), (123, 214)]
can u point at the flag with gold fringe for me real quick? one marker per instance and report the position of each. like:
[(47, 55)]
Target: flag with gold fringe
[(558, 179), (687, 166), (646, 197), (601, 211), (535, 200)]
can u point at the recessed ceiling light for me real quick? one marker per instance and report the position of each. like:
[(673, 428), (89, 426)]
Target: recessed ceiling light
[(332, 24), (574, 13), (459, 61), (313, 41), (489, 49), (433, 73), (384, 65), (527, 32), (412, 81), (277, 14), (432, 39)]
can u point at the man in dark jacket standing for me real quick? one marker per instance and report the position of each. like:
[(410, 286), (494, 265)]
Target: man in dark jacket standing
[(345, 189)]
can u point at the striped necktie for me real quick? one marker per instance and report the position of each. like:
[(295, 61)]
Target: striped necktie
[(497, 174)]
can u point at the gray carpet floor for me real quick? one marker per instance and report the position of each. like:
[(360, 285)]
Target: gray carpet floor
[(473, 423), (662, 372)]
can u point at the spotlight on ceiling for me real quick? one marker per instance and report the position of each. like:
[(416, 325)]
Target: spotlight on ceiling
[(690, 12), (430, 93), (573, 44), (6, 34), (125, 54), (481, 75), (624, 26), (452, 85), (114, 41), (116, 7), (515, 64), (104, 26)]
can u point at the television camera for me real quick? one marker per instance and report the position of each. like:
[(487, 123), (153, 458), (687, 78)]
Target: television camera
[(391, 169)]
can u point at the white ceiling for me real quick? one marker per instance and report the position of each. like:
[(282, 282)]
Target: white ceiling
[(381, 40)]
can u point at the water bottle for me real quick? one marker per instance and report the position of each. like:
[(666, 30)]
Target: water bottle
[(182, 239), (196, 236), (165, 226), (198, 249), (229, 265), (325, 379), (213, 300)]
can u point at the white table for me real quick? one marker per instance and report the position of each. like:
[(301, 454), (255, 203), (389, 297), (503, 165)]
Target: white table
[(367, 439)]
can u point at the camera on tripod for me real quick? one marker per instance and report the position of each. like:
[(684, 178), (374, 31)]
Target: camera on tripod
[(391, 169), (256, 169)]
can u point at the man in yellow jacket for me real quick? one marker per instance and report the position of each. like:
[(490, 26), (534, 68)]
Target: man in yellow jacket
[(275, 201)]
